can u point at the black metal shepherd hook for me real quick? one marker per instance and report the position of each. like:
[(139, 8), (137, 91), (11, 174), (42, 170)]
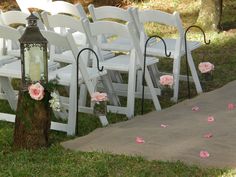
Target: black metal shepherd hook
[(186, 50), (77, 80), (144, 62)]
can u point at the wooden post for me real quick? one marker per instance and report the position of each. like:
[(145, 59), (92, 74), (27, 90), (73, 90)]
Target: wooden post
[(32, 122)]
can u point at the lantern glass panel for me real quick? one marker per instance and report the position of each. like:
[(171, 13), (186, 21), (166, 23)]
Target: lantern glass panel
[(35, 62)]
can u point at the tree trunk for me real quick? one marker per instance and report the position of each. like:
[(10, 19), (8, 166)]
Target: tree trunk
[(32, 123), (210, 14)]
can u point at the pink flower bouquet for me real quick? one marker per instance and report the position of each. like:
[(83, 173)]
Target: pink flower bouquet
[(206, 68), (167, 82), (99, 101)]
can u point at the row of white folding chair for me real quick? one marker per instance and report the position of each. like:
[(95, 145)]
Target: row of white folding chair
[(130, 63), (67, 77), (174, 45)]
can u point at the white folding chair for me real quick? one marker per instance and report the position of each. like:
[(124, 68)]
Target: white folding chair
[(174, 45), (129, 63), (66, 8), (73, 26)]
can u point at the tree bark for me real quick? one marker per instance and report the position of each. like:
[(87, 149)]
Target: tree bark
[(32, 124), (210, 14)]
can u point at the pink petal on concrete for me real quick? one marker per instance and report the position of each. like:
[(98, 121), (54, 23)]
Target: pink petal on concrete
[(210, 119), (231, 106), (195, 108), (208, 135), (164, 126), (204, 154), (139, 140)]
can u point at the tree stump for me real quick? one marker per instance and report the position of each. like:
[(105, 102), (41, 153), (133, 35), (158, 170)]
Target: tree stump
[(32, 122)]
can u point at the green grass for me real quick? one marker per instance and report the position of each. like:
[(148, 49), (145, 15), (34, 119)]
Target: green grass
[(56, 161)]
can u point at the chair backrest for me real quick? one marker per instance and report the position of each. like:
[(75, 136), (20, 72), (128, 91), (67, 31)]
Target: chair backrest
[(8, 33), (57, 7), (13, 17), (112, 13), (97, 28), (143, 16), (61, 20), (38, 4)]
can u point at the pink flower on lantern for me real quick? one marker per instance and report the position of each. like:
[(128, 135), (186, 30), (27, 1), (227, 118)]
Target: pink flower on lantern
[(166, 80), (205, 67), (36, 91), (97, 97)]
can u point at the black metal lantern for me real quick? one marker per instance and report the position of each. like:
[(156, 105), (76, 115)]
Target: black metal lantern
[(33, 48)]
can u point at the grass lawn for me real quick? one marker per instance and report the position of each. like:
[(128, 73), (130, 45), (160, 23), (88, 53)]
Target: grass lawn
[(55, 161)]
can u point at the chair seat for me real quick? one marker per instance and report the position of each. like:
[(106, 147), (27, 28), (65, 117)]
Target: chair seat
[(158, 47), (5, 59), (13, 70), (68, 57), (121, 63), (65, 74), (119, 44)]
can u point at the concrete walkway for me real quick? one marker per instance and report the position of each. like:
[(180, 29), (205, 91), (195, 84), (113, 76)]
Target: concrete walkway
[(181, 140)]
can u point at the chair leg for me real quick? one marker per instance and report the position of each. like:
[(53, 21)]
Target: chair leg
[(83, 91), (113, 98), (194, 73), (72, 109), (131, 92), (176, 73), (152, 90)]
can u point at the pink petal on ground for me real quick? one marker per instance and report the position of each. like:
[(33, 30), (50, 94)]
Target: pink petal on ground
[(139, 140), (208, 135), (210, 119), (204, 154), (231, 106), (164, 126), (195, 108)]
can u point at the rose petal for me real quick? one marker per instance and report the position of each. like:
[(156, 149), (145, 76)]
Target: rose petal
[(164, 126), (204, 154), (208, 135), (195, 108), (210, 119), (139, 140), (231, 106)]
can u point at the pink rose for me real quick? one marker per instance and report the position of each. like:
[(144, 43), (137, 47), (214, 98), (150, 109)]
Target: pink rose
[(204, 154), (36, 91), (210, 119), (231, 106), (208, 135), (97, 96), (139, 140), (166, 80), (205, 67)]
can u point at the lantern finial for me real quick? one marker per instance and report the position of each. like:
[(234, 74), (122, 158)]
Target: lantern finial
[(32, 20)]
